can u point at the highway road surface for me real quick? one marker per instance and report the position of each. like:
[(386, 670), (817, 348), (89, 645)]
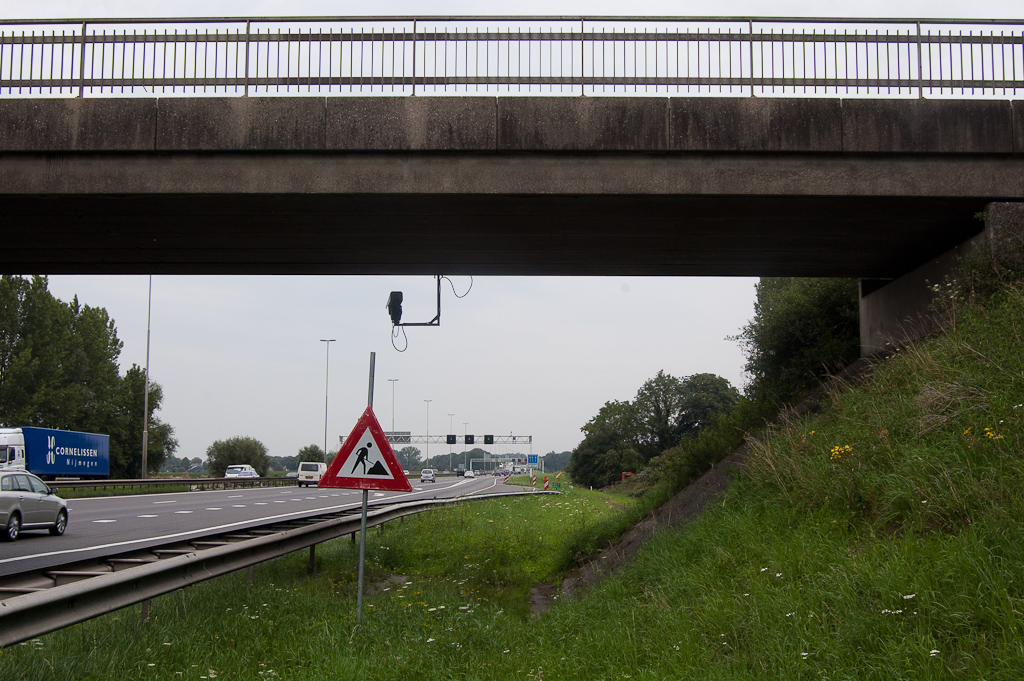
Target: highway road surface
[(105, 525)]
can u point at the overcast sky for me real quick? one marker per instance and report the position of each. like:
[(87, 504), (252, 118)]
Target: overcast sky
[(526, 356)]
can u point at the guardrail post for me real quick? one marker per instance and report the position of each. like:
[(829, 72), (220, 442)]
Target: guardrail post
[(250, 575), (145, 610), (312, 556)]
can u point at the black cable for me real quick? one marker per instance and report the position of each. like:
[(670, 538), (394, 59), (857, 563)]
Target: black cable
[(394, 335), (450, 283)]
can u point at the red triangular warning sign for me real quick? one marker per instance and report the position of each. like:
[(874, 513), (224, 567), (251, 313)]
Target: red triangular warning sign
[(366, 460)]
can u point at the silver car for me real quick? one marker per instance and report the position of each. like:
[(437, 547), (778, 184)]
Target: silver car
[(27, 503)]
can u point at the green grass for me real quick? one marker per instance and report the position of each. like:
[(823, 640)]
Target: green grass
[(901, 557)]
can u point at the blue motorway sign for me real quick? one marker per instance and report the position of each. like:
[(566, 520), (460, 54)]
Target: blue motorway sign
[(531, 459)]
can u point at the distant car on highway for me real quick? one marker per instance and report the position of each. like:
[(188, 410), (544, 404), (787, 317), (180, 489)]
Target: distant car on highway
[(291, 474), (427, 475), (241, 471), (27, 503), (469, 474), (310, 472)]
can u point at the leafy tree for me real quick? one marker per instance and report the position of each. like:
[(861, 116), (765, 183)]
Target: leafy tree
[(309, 453), (624, 436), (609, 443), (234, 451), (802, 330), (408, 457), (125, 428), (59, 369), (556, 461)]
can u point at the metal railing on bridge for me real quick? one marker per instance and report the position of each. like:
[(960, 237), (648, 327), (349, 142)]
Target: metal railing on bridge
[(593, 56)]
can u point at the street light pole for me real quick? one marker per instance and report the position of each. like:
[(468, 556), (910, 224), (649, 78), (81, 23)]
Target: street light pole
[(393, 381), (145, 393), (450, 417), (428, 431), (465, 452), (327, 383)]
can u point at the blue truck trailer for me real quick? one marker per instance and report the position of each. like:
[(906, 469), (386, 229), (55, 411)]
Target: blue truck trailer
[(50, 453)]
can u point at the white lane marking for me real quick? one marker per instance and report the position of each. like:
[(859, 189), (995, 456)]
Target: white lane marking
[(323, 496), (237, 505), (104, 521), (214, 508), (236, 496), (335, 495), (147, 515), (280, 501), (261, 503), (311, 497), (378, 494), (176, 535), (183, 511), (173, 501), (494, 482), (154, 495)]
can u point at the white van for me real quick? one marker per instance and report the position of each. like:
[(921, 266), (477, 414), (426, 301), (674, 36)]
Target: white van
[(310, 472)]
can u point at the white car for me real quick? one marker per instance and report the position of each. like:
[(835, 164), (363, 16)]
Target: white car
[(427, 475), (241, 471), (469, 473)]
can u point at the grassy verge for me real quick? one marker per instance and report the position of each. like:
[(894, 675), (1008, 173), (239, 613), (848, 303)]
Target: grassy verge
[(440, 585), (878, 539)]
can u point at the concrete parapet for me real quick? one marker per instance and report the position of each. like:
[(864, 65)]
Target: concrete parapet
[(755, 124), (77, 124), (513, 124), (411, 124), (582, 124), (927, 126), (241, 124)]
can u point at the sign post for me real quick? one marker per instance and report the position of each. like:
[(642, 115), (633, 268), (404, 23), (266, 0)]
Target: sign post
[(366, 461)]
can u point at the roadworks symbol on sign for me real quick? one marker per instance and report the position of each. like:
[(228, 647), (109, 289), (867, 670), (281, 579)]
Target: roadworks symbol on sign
[(366, 460)]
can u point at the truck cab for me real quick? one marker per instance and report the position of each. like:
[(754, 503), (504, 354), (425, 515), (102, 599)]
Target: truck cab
[(12, 448)]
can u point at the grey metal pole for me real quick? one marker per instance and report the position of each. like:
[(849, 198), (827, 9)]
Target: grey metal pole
[(145, 397), (393, 381), (427, 443), (327, 384), (362, 523)]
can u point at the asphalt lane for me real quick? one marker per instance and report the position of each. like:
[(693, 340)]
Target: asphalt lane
[(105, 525)]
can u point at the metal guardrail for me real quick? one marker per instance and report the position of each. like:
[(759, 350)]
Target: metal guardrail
[(79, 592), (755, 56)]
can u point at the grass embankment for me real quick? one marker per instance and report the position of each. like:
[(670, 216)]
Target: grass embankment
[(879, 539)]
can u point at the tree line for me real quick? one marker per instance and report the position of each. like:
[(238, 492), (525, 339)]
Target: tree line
[(803, 329), (59, 369)]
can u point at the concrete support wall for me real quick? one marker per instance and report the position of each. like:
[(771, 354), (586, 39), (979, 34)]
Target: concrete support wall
[(892, 312)]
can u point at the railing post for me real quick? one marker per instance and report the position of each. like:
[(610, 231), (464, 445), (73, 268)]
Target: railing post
[(413, 57), (81, 64), (920, 65), (750, 27), (246, 94)]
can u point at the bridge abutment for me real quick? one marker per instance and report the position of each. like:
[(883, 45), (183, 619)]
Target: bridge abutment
[(896, 311)]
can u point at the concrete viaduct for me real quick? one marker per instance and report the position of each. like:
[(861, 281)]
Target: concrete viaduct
[(873, 189)]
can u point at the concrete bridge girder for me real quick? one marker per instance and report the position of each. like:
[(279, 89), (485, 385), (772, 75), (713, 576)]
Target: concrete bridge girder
[(533, 185)]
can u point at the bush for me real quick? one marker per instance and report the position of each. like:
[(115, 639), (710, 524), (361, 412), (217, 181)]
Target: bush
[(802, 330), (234, 451)]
